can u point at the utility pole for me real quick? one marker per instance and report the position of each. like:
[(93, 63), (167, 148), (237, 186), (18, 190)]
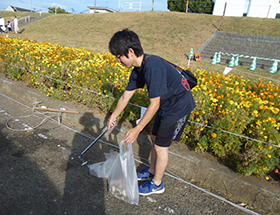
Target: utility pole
[(153, 5), (219, 26), (94, 5), (268, 11), (31, 6), (187, 6)]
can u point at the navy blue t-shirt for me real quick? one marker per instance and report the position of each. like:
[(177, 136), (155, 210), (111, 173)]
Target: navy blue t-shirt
[(164, 80)]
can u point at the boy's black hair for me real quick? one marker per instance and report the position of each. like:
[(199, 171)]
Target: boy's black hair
[(123, 40)]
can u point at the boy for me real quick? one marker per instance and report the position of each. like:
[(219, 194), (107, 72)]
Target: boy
[(170, 99)]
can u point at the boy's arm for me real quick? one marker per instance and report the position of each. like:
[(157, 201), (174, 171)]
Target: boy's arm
[(132, 135), (122, 103)]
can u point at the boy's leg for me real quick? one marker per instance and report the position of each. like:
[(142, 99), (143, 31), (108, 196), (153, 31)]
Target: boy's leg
[(162, 155), (153, 156), (164, 132)]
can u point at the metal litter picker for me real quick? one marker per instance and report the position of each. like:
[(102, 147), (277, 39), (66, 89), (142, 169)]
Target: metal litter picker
[(90, 145)]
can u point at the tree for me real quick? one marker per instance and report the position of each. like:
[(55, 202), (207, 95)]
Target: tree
[(195, 6), (58, 10)]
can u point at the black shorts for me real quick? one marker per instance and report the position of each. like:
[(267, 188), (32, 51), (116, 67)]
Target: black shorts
[(168, 131)]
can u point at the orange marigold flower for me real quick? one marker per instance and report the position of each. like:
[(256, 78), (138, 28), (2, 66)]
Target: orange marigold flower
[(214, 135), (276, 170)]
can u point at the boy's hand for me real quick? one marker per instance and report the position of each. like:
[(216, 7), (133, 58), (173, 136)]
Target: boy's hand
[(112, 123), (132, 135)]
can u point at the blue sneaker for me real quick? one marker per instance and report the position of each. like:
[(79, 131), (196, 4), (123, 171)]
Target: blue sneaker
[(144, 175), (150, 188)]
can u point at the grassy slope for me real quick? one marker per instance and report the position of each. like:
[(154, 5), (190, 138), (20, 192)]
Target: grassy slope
[(168, 34)]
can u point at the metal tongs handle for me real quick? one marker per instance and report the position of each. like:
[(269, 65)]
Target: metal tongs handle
[(90, 145)]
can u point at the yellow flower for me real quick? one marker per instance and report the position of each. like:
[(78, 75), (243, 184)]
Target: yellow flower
[(259, 123)]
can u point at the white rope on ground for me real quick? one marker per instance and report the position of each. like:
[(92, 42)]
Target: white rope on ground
[(51, 119), (166, 173), (29, 128), (256, 140), (176, 177)]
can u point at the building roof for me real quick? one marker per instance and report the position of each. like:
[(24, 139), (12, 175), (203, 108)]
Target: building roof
[(18, 9), (102, 8)]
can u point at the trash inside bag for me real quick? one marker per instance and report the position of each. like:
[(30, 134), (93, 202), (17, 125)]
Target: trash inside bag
[(119, 169)]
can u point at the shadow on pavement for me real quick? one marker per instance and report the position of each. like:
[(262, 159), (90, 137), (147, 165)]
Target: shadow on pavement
[(38, 177), (84, 193), (24, 187)]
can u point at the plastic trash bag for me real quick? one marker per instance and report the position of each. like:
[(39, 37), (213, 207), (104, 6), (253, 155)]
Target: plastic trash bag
[(102, 169), (119, 169)]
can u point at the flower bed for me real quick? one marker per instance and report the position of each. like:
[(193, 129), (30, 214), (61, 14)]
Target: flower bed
[(236, 119)]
